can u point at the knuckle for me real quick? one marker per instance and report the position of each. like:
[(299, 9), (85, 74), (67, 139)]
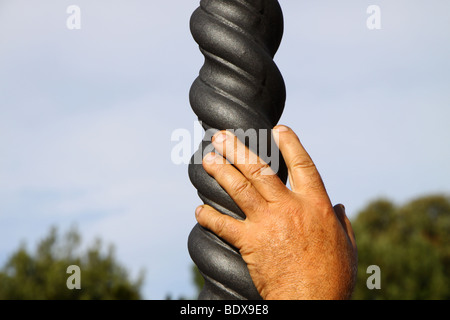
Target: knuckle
[(302, 162), (256, 171), (241, 186), (219, 225)]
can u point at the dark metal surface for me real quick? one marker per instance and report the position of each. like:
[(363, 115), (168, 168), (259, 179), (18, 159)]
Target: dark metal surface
[(239, 87)]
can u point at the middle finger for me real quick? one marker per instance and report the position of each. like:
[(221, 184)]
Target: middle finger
[(258, 172)]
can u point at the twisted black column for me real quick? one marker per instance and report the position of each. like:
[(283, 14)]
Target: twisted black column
[(239, 87)]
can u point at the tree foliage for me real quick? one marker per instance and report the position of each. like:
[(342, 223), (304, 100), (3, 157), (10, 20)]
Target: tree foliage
[(43, 274), (197, 279), (410, 244)]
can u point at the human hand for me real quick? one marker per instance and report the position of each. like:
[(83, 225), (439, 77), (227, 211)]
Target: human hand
[(295, 244)]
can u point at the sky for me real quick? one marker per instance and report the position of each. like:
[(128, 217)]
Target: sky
[(87, 115)]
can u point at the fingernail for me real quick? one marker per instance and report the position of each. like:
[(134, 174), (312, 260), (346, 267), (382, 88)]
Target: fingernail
[(281, 128), (197, 211), (210, 158), (342, 207), (220, 137)]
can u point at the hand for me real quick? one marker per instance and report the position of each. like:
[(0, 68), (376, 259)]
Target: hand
[(296, 245)]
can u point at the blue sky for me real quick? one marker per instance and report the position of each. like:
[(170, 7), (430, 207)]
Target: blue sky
[(86, 116)]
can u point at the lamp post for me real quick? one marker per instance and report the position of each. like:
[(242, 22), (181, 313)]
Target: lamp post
[(239, 88)]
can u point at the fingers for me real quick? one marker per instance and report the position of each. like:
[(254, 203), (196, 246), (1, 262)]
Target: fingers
[(339, 209), (303, 174), (222, 225), (253, 168), (235, 184)]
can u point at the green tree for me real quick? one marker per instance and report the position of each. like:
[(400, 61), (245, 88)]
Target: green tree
[(43, 274), (410, 244), (197, 279)]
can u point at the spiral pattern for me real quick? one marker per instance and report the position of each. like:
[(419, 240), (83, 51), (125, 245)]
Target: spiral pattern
[(239, 87)]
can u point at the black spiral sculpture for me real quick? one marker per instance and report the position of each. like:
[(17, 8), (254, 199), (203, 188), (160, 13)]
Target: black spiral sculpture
[(239, 87)]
